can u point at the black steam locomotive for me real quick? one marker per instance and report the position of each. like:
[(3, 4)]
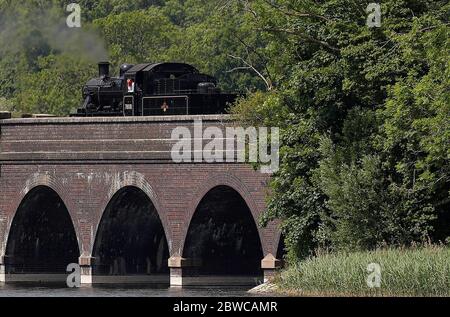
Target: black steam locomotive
[(152, 89)]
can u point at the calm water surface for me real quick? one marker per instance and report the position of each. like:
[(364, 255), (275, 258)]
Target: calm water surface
[(60, 290)]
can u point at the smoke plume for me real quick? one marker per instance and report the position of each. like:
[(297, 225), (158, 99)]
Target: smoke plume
[(48, 28)]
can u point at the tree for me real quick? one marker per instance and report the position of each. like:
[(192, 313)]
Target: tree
[(138, 36), (55, 88), (364, 117)]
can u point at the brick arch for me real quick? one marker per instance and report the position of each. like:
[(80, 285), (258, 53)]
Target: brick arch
[(136, 180), (34, 181), (231, 181)]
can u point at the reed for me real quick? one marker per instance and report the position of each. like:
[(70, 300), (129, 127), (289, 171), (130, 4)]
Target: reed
[(413, 271)]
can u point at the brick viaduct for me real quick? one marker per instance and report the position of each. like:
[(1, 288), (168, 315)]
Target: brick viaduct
[(86, 162)]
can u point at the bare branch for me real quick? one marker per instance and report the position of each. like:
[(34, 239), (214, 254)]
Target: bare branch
[(262, 58), (431, 27), (266, 81), (238, 68), (249, 9)]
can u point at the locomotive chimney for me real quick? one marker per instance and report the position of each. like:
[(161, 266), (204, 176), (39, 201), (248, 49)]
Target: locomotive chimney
[(103, 69)]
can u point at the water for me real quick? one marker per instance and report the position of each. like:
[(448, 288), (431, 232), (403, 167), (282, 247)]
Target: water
[(61, 290)]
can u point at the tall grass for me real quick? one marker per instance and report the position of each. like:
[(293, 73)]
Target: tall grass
[(418, 271)]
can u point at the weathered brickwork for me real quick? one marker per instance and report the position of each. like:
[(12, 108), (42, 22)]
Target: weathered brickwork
[(87, 160)]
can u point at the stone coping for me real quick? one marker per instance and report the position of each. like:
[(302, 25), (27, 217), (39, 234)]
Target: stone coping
[(106, 120)]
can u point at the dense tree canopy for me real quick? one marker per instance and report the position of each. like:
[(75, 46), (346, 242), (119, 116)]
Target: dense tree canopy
[(364, 111), (216, 36)]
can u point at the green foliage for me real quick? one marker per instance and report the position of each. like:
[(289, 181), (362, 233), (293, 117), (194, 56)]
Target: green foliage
[(55, 88), (138, 36), (364, 112), (260, 108), (216, 37), (96, 9), (221, 40), (365, 150), (418, 271), (5, 105)]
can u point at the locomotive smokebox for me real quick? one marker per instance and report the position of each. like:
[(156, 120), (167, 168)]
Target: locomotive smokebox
[(103, 69)]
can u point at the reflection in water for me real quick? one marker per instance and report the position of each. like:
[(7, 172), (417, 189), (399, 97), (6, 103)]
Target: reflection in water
[(61, 290)]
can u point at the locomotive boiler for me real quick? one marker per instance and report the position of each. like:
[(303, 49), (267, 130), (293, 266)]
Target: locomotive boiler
[(152, 89)]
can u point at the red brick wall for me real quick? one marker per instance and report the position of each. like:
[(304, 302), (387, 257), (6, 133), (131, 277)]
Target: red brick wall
[(87, 160)]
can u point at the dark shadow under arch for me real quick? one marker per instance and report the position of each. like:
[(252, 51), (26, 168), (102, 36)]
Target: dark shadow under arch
[(281, 250), (130, 238), (222, 238), (42, 237)]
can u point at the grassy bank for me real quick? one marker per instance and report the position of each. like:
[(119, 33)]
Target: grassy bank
[(423, 271)]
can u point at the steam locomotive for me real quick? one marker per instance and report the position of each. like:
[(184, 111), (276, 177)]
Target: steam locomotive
[(152, 89)]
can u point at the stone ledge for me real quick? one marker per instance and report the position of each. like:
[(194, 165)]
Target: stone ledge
[(86, 260), (271, 263), (5, 115), (178, 262), (106, 120)]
